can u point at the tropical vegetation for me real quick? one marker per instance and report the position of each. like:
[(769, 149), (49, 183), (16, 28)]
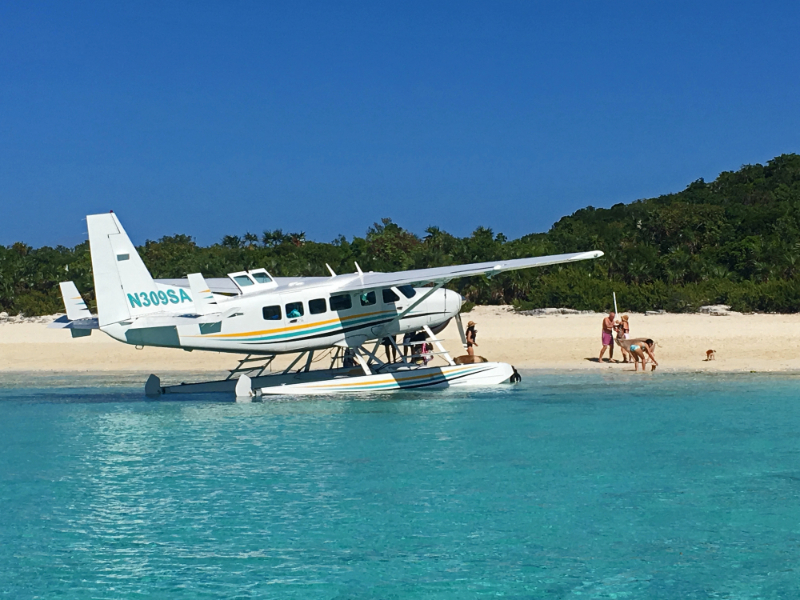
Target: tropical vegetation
[(735, 240)]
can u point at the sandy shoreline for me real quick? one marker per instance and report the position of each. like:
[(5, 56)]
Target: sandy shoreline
[(553, 343)]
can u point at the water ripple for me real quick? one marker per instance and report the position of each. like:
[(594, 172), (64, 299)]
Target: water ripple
[(589, 486)]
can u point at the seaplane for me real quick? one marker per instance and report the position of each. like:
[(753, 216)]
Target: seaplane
[(341, 318)]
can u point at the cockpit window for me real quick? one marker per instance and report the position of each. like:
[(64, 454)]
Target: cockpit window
[(341, 302), (261, 277), (243, 280), (317, 306), (407, 291)]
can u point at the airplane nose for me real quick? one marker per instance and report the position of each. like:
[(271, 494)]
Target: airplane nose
[(454, 302)]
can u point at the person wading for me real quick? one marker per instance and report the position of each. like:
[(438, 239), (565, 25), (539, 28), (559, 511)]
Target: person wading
[(607, 337)]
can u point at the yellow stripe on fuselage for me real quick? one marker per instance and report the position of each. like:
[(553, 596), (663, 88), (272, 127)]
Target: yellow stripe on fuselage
[(294, 327)]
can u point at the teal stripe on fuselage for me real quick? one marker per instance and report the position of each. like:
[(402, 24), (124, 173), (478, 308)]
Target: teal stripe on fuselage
[(304, 332)]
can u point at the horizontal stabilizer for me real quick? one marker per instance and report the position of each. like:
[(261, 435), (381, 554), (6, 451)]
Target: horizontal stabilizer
[(64, 322)]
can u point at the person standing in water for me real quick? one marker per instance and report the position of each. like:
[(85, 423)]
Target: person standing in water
[(606, 337), (472, 333)]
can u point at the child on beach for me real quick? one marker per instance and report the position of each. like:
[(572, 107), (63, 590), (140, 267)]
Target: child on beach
[(623, 331)]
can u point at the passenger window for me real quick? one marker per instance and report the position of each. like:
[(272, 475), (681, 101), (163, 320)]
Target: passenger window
[(294, 310), (271, 313), (317, 307), (407, 291), (368, 299), (261, 277), (341, 302), (243, 280), (389, 297)]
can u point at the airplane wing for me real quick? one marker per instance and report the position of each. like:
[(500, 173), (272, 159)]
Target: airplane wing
[(441, 275)]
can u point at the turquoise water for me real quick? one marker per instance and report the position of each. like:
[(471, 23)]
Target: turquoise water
[(569, 486)]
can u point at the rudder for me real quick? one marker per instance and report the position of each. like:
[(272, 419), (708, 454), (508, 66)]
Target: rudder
[(123, 285)]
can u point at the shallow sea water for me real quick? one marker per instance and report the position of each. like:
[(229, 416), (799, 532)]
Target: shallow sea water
[(566, 486)]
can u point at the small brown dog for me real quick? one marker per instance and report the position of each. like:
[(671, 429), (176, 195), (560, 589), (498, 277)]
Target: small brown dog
[(711, 355)]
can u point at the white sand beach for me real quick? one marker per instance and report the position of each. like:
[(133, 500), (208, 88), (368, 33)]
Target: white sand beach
[(554, 342)]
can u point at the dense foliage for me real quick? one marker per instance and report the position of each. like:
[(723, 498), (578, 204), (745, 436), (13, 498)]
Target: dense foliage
[(733, 241)]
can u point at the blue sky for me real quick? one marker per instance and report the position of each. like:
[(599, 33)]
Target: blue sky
[(219, 118)]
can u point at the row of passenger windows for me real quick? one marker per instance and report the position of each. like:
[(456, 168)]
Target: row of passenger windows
[(338, 302)]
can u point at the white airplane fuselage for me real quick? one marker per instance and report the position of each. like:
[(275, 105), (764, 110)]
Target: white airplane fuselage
[(284, 318)]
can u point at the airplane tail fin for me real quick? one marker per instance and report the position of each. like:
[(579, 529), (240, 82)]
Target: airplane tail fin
[(123, 285), (79, 320), (204, 302), (73, 302)]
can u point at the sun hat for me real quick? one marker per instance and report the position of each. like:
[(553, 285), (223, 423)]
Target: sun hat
[(471, 323)]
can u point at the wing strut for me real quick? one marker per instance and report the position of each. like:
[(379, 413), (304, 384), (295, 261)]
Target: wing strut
[(460, 324), (413, 305), (442, 351)]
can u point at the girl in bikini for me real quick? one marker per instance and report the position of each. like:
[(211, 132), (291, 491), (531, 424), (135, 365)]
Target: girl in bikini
[(642, 350), (472, 333)]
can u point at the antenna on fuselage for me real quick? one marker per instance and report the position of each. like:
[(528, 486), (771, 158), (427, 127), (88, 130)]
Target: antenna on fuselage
[(360, 272), (331, 270)]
